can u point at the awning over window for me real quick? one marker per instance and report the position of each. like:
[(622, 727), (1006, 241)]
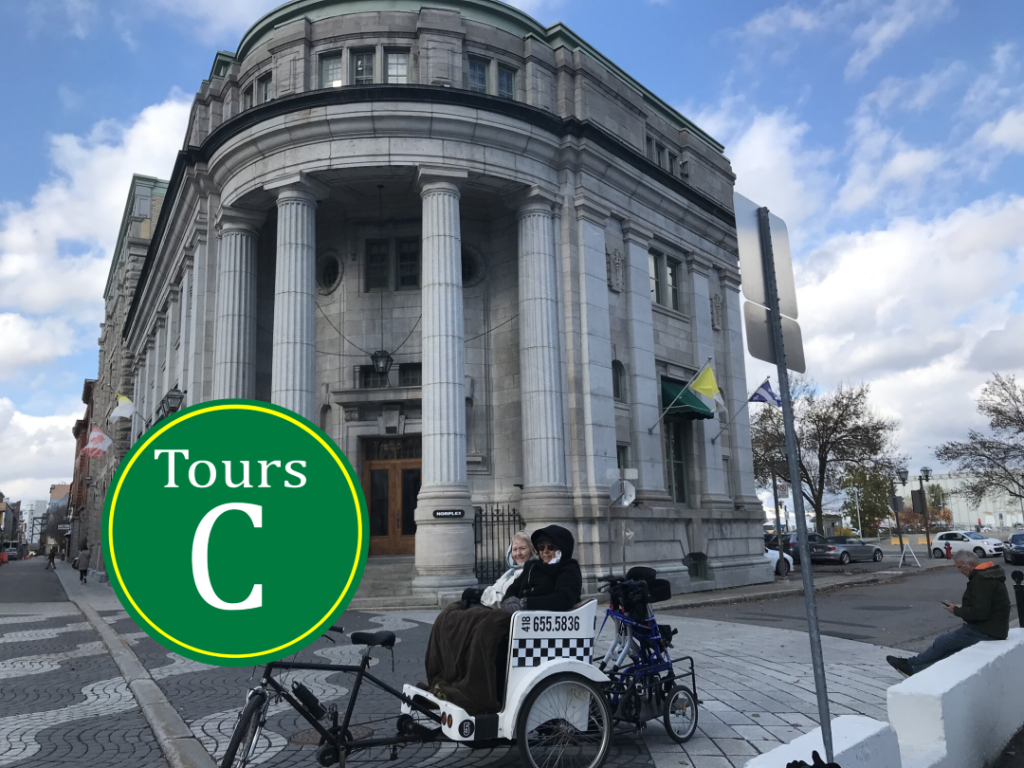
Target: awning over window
[(689, 405)]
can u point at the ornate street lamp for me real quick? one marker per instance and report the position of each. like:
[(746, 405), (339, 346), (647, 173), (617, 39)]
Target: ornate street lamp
[(174, 400), (382, 362), (902, 474), (924, 477)]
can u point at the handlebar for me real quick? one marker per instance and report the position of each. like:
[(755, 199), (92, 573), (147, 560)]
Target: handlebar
[(339, 630)]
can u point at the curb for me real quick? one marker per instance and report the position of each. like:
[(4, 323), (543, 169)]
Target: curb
[(181, 749)]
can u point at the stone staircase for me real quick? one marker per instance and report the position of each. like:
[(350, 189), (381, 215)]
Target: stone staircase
[(387, 585)]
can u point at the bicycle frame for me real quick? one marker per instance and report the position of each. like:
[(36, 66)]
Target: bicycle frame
[(337, 739)]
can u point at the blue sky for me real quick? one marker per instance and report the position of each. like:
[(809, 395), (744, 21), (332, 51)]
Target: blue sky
[(888, 133)]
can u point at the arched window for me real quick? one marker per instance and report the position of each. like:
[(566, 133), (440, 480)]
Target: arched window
[(618, 382)]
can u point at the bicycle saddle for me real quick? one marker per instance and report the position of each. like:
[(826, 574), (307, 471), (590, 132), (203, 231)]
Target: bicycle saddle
[(382, 638)]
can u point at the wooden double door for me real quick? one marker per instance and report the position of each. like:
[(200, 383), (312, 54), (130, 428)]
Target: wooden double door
[(391, 482)]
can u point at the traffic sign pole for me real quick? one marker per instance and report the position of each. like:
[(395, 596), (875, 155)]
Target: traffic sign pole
[(775, 318)]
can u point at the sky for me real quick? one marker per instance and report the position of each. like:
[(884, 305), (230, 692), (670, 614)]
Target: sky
[(889, 134)]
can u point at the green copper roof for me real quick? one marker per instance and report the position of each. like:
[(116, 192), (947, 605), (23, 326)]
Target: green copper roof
[(490, 12)]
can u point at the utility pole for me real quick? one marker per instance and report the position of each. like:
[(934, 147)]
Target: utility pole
[(778, 525), (857, 500)]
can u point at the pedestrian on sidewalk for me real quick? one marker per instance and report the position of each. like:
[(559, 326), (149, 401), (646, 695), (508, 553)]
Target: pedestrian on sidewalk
[(83, 565), (985, 609), (52, 556)]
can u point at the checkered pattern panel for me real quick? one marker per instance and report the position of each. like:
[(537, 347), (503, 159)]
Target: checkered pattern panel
[(534, 651)]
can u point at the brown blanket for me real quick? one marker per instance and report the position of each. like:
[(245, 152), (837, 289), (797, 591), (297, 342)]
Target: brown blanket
[(463, 657)]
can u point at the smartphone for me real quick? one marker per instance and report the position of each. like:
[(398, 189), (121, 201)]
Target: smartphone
[(946, 602)]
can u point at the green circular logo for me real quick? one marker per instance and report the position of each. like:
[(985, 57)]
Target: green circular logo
[(235, 532)]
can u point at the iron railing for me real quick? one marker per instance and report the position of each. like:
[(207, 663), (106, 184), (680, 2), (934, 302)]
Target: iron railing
[(493, 529)]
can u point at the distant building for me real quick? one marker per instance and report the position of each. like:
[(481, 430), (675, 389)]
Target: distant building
[(80, 513), (998, 510)]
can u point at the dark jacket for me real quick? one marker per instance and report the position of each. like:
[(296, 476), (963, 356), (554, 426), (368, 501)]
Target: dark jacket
[(986, 603), (546, 587)]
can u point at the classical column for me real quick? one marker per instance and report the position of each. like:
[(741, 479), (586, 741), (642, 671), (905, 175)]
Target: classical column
[(293, 373), (642, 376), (711, 470), (545, 498), (234, 366), (444, 544)]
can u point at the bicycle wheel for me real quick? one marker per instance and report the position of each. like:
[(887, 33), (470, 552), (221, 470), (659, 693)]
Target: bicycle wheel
[(565, 721), (246, 733), (680, 712)]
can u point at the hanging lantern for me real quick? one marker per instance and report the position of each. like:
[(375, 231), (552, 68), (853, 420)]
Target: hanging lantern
[(382, 362)]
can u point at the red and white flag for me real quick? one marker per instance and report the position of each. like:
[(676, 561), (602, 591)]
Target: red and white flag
[(98, 443)]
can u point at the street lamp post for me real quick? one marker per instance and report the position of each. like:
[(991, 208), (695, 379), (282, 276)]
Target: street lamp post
[(926, 475), (860, 531)]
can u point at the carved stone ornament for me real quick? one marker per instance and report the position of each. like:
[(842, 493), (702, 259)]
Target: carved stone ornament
[(616, 270), (351, 414), (716, 312)]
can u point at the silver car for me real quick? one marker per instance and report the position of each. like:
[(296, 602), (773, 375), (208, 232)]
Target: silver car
[(845, 549)]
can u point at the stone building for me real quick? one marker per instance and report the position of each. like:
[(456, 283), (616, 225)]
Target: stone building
[(80, 512), (544, 249)]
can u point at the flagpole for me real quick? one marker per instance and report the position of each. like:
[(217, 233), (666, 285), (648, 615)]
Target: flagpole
[(665, 412), (741, 410)]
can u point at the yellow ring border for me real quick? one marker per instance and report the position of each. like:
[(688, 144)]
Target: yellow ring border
[(227, 407)]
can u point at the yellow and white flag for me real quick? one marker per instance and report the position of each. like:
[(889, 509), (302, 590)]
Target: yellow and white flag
[(125, 409), (706, 385)]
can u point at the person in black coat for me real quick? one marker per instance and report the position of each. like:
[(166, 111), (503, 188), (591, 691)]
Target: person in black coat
[(553, 583)]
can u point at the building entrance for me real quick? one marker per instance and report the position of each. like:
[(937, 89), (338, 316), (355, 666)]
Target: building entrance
[(391, 483)]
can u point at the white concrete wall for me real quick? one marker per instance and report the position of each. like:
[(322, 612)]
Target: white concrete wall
[(857, 742), (961, 712)]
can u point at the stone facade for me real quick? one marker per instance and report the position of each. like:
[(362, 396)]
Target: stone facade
[(536, 240)]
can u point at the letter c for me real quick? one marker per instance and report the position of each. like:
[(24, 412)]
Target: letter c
[(200, 558)]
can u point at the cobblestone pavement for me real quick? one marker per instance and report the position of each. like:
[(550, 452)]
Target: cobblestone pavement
[(62, 699)]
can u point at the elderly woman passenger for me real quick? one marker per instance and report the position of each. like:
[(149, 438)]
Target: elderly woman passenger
[(520, 550)]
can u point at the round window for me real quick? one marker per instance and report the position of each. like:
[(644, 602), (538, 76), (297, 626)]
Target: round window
[(328, 273)]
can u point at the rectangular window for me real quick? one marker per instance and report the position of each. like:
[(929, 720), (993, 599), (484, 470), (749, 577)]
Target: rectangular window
[(476, 77), (506, 82), (362, 68), (622, 456), (370, 379), (650, 148), (659, 155), (410, 375), (675, 460), (674, 269), (247, 98), (408, 265), (673, 162), (654, 264), (396, 67), (330, 71), (376, 273), (263, 92)]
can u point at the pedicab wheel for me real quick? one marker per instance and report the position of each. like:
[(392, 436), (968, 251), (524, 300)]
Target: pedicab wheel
[(565, 721), (246, 734), (680, 714)]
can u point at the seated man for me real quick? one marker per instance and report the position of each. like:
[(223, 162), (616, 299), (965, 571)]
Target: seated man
[(985, 611), (466, 653)]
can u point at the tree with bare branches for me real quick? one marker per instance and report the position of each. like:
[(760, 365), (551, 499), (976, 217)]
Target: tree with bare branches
[(993, 463), (836, 432)]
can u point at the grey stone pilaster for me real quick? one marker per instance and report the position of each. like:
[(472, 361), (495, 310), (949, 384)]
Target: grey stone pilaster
[(739, 411), (712, 473), (444, 546), (234, 366), (293, 374), (642, 375), (545, 496), (184, 325)]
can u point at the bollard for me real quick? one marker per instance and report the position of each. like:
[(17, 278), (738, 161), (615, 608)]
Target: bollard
[(1018, 594), (949, 551)]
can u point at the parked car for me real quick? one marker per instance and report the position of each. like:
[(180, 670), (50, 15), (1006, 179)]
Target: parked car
[(12, 550), (1013, 550), (987, 529), (844, 549), (789, 546), (969, 540), (782, 568)]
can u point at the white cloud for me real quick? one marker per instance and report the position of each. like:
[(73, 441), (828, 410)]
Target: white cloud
[(917, 93), (887, 26), (1006, 133), (25, 342), (75, 17), (1001, 84), (787, 18), (35, 451), (55, 251)]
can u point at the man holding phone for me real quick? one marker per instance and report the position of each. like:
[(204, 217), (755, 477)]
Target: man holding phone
[(985, 609)]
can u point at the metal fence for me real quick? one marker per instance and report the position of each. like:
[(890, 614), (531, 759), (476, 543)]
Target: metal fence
[(493, 529)]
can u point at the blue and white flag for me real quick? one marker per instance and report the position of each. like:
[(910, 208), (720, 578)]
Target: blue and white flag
[(764, 394)]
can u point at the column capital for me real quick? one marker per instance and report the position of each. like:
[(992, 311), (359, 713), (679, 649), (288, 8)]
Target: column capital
[(699, 263), (433, 179), (230, 219), (297, 186), (730, 279), (535, 199), (638, 234), (591, 211)]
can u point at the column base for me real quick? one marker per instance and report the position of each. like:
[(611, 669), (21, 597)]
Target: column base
[(445, 548), (716, 501)]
